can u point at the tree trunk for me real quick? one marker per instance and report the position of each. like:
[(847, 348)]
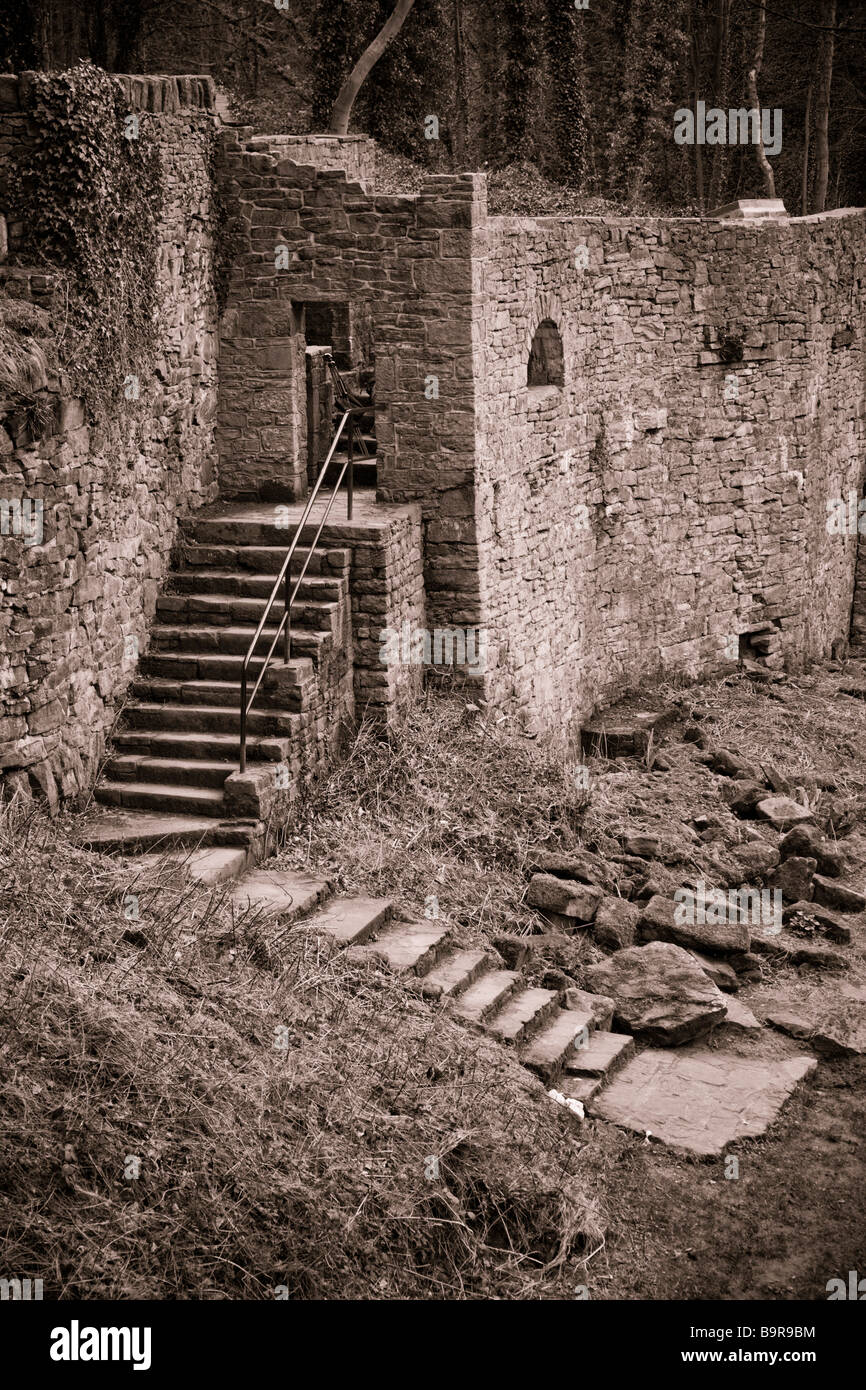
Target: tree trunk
[(696, 83), (723, 22), (351, 87), (804, 180), (752, 84), (822, 107), (461, 101)]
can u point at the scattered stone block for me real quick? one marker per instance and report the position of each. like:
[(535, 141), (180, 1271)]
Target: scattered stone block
[(660, 993), (827, 892), (739, 1016), (577, 901), (732, 765), (659, 923), (782, 812), (700, 1100), (756, 858), (743, 797), (808, 840), (800, 952), (615, 923), (809, 917), (721, 974), (643, 846), (577, 865), (793, 878)]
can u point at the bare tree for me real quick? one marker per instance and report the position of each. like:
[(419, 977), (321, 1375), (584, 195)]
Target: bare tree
[(822, 106), (752, 83), (804, 179), (372, 53)]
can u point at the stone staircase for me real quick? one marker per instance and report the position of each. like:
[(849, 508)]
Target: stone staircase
[(178, 738), (570, 1048)]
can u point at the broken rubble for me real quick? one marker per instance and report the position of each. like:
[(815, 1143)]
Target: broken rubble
[(781, 812), (809, 916), (828, 892), (809, 841), (661, 921), (579, 901), (793, 878), (756, 858), (660, 993), (615, 923)]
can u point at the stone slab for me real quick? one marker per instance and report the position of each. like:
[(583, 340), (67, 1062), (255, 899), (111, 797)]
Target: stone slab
[(279, 892), (700, 1100)]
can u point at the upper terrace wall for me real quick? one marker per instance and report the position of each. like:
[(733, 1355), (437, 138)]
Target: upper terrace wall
[(75, 605), (303, 235), (641, 519)]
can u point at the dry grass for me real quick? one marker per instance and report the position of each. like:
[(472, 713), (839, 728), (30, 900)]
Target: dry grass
[(148, 1030), (448, 806)]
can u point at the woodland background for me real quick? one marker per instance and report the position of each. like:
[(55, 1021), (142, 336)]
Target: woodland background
[(583, 99)]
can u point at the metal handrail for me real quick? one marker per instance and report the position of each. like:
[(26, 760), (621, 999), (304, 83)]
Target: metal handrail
[(284, 578)]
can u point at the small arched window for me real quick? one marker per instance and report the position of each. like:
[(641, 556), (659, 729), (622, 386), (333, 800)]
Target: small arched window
[(545, 357)]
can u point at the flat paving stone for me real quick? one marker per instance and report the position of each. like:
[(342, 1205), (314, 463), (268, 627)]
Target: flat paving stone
[(700, 1100)]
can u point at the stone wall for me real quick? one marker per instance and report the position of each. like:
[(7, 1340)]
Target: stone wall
[(75, 605), (353, 155), (643, 519), (404, 266)]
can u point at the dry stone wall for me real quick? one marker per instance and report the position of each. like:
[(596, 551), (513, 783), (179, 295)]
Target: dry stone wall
[(76, 600), (303, 235), (673, 495)]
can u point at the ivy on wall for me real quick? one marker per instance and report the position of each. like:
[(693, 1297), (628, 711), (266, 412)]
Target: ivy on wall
[(88, 188)]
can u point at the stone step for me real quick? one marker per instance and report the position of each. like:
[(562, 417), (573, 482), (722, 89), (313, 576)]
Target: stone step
[(225, 610), (210, 866), (548, 1052), (202, 579), (234, 639), (412, 946), (603, 1055), (185, 772), (523, 1015), (166, 743), (487, 994), (158, 796), (581, 1088), (206, 719), (257, 528), (130, 832), (183, 666), (162, 689), (455, 973), (352, 921), (281, 893), (265, 559)]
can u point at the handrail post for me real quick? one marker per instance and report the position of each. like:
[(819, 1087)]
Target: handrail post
[(287, 650), (244, 717), (350, 486)]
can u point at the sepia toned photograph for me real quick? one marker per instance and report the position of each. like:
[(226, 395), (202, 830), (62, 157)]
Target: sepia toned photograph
[(432, 671)]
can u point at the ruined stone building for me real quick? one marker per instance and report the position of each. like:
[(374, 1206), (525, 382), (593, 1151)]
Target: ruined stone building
[(608, 449)]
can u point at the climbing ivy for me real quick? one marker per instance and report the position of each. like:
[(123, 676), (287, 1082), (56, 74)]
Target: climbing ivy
[(88, 188), (567, 111)]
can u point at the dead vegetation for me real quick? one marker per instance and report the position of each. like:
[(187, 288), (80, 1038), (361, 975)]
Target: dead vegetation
[(200, 1105)]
